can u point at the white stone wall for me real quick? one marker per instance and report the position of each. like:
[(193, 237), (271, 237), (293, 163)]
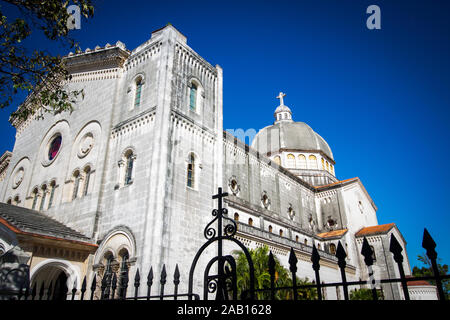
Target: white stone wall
[(31, 152)]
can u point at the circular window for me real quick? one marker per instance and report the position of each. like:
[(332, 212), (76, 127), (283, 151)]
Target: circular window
[(18, 177), (55, 146), (85, 145)]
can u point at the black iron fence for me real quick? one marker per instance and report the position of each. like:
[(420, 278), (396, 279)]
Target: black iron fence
[(114, 285)]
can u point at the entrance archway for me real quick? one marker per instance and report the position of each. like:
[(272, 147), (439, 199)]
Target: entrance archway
[(53, 280)]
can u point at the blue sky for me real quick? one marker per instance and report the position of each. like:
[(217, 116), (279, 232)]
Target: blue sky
[(379, 97)]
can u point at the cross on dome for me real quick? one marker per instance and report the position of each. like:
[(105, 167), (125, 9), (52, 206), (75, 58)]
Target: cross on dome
[(281, 96), (282, 112)]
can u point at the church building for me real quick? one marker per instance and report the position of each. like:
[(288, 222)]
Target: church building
[(128, 177)]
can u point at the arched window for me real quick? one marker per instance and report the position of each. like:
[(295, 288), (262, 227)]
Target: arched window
[(277, 160), (129, 164), (35, 198), (236, 216), (44, 196), (331, 168), (138, 91), (328, 166), (124, 256), (108, 260), (270, 229), (319, 246), (312, 162), (191, 171), (281, 232), (305, 242), (250, 221), (332, 248), (52, 193), (302, 161), (291, 212), (296, 238), (323, 163), (193, 97), (87, 177), (76, 184), (290, 161), (265, 201)]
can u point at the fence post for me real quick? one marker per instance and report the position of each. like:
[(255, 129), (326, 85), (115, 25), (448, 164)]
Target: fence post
[(49, 291), (341, 255), (272, 275), (104, 286), (123, 281), (114, 285), (137, 279), (315, 258), (293, 268), (83, 288), (41, 292), (429, 245), (149, 282), (163, 281), (74, 289), (176, 281), (93, 286), (367, 253), (397, 249), (33, 291)]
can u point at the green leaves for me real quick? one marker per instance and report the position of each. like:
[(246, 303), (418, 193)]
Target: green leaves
[(37, 73), (427, 271), (260, 258)]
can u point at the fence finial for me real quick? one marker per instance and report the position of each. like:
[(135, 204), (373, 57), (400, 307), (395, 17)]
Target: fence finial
[(396, 249), (83, 288), (137, 280), (315, 258), (341, 255), (429, 244), (176, 276), (293, 261), (367, 252), (93, 286)]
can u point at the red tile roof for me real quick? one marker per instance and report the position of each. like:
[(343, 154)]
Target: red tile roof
[(413, 283), (331, 234), (384, 228), (335, 183)]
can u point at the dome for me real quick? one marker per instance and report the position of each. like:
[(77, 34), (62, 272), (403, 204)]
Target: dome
[(282, 108), (287, 135), (290, 136)]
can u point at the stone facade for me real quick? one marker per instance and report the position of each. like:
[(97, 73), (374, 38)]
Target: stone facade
[(145, 150)]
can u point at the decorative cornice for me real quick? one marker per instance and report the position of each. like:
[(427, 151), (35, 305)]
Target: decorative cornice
[(133, 122), (4, 161), (141, 55), (184, 52), (108, 57)]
